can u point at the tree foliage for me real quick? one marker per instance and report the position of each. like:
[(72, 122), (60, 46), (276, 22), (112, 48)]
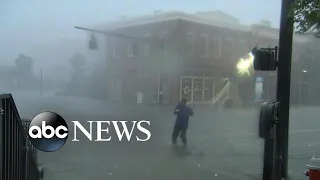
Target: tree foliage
[(307, 15), (77, 61), (24, 63)]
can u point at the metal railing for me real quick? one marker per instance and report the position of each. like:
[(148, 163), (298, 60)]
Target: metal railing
[(18, 157)]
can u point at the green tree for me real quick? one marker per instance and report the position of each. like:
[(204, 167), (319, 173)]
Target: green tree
[(307, 15)]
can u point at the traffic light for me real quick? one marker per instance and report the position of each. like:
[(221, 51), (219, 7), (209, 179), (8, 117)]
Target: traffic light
[(93, 43), (265, 59), (268, 118)]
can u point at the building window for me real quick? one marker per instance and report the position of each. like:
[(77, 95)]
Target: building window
[(204, 45), (115, 43), (146, 45), (190, 43), (217, 47), (117, 88), (164, 36), (229, 44), (132, 49)]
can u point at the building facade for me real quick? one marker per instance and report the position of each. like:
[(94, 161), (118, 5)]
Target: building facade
[(175, 55)]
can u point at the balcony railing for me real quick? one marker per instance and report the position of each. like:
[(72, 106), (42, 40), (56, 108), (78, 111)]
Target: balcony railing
[(18, 157)]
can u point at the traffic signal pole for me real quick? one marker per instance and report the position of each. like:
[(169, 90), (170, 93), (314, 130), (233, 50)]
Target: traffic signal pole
[(159, 42), (283, 85), (274, 115)]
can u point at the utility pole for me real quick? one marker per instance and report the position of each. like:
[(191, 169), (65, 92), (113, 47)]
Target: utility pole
[(160, 74), (283, 86)]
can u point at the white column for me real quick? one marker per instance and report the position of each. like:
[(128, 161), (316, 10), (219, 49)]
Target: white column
[(158, 93), (192, 80), (213, 86), (180, 88), (203, 86), (169, 88)]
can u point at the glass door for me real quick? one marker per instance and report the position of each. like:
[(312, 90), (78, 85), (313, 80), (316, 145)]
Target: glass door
[(197, 89), (185, 88), (208, 90)]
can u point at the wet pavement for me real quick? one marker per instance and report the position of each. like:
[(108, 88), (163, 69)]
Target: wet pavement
[(222, 145)]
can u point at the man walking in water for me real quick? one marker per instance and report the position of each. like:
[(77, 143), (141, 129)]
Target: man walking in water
[(183, 112)]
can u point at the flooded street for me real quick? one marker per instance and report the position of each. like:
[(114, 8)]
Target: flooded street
[(222, 145)]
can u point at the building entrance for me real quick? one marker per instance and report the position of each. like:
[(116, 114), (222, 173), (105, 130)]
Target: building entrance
[(197, 88)]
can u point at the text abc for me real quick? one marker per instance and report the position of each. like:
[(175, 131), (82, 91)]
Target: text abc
[(48, 132)]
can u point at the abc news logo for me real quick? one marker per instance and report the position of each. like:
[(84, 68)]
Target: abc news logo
[(48, 131)]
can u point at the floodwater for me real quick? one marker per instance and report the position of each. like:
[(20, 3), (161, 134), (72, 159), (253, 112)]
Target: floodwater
[(222, 144)]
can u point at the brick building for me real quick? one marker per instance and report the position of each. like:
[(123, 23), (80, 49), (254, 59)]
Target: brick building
[(180, 55)]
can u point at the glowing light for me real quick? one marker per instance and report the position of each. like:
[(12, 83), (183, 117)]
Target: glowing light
[(245, 65)]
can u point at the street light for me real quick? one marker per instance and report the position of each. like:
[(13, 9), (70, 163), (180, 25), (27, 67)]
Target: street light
[(93, 45), (244, 65)]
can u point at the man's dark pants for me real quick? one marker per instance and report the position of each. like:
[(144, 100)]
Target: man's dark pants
[(179, 130)]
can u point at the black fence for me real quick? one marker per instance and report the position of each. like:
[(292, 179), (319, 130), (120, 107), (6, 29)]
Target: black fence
[(18, 157)]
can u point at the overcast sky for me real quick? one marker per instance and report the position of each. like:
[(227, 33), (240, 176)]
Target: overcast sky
[(25, 23)]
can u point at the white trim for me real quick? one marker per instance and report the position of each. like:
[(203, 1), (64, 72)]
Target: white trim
[(179, 17), (191, 43), (207, 45), (298, 38)]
